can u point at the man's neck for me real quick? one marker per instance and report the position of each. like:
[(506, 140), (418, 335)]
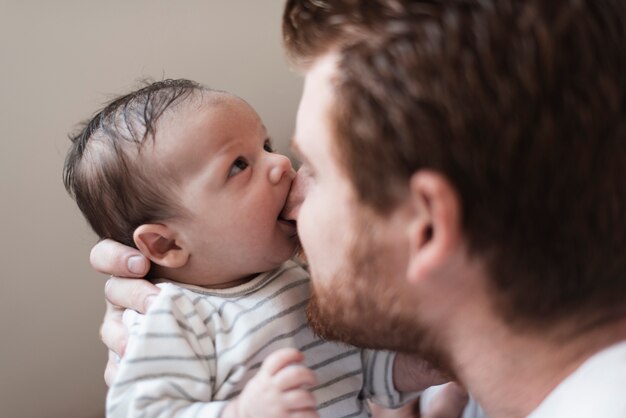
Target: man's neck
[(509, 373)]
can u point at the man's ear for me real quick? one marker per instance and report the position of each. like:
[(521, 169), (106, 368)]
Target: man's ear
[(158, 243), (435, 230)]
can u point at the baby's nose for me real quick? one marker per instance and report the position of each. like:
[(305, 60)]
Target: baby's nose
[(280, 167)]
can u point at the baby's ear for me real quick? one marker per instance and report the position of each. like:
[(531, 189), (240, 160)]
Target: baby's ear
[(158, 243)]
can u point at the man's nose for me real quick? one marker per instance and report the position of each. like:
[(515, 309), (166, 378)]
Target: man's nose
[(280, 166), (296, 196)]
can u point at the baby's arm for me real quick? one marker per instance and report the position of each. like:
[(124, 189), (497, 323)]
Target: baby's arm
[(391, 380), (278, 390), (170, 369), (413, 374), (448, 402)]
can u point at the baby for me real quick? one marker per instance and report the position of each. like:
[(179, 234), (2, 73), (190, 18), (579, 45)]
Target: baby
[(188, 175)]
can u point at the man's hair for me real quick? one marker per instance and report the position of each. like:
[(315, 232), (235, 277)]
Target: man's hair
[(521, 105), (114, 188)]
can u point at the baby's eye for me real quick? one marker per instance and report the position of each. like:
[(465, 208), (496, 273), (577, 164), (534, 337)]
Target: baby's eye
[(268, 146), (238, 166)]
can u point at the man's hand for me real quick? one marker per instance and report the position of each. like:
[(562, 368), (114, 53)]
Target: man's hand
[(411, 373), (115, 259), (448, 402), (410, 410), (278, 390)]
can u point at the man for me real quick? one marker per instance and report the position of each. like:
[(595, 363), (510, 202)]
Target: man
[(462, 194)]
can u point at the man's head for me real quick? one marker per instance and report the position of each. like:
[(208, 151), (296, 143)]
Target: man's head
[(495, 127), (188, 175)]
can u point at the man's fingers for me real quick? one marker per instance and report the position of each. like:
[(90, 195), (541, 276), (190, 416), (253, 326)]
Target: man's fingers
[(130, 293), (448, 403), (113, 332), (116, 259), (410, 410), (279, 359), (111, 369)]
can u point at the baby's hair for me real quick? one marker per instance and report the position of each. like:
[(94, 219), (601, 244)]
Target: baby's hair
[(103, 171)]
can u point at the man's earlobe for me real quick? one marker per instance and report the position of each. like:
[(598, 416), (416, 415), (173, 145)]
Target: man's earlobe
[(158, 243), (435, 230)]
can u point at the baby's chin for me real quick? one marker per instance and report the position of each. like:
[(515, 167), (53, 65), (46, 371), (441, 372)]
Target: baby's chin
[(292, 252)]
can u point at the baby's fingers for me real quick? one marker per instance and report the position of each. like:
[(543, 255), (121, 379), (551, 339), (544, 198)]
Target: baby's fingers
[(304, 414), (294, 376), (280, 359), (299, 400)]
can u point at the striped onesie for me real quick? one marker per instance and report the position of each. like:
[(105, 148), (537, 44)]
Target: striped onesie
[(196, 348)]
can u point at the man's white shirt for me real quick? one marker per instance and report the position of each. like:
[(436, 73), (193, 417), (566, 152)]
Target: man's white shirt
[(597, 389)]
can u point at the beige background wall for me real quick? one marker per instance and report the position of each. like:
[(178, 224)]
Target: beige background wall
[(59, 61)]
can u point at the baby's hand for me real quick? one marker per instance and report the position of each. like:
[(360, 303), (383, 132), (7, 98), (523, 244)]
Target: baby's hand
[(279, 389)]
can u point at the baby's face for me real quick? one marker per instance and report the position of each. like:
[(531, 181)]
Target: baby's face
[(233, 186)]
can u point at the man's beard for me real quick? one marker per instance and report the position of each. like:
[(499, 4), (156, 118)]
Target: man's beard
[(363, 305)]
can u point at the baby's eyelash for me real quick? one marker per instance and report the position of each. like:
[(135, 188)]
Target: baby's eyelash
[(239, 165)]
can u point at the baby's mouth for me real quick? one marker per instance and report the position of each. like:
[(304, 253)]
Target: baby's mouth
[(282, 219), (284, 213), (288, 210)]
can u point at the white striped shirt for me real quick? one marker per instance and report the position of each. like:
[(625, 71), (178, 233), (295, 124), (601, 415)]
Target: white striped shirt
[(196, 348)]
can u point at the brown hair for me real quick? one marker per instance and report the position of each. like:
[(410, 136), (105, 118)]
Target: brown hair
[(103, 172), (520, 104)]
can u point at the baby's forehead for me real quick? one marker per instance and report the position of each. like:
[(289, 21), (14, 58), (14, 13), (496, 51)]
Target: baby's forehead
[(210, 124), (212, 100)]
